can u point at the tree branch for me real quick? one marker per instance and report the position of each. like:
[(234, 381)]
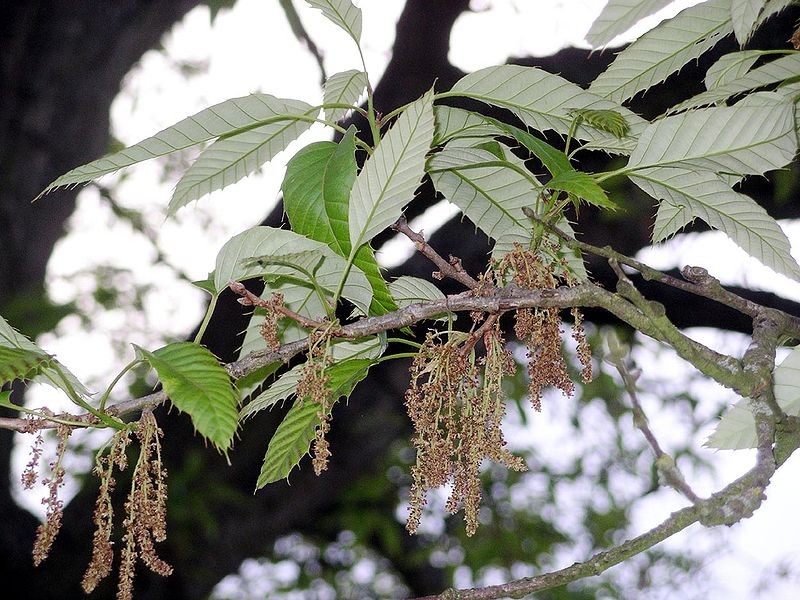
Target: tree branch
[(452, 269), (722, 368), (699, 282)]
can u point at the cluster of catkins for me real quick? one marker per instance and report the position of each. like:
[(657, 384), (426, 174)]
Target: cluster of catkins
[(455, 399), (457, 415), (145, 509)]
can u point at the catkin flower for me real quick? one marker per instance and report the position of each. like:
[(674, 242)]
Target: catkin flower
[(47, 531), (457, 411), (145, 508), (102, 546), (314, 386), (540, 328), (269, 326)]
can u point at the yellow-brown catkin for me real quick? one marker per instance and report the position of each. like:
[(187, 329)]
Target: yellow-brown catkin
[(102, 546), (584, 351), (31, 472), (47, 531), (145, 508), (314, 386), (269, 326), (457, 412), (540, 328)]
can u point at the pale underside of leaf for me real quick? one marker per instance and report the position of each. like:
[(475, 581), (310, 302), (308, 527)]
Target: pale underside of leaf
[(709, 198), (493, 196), (343, 88), (390, 176), (769, 74), (232, 262), (670, 219), (730, 67), (455, 123), (664, 50), (619, 16), (219, 120), (410, 290), (744, 15), (544, 102), (343, 13), (737, 428), (741, 140), (233, 158), (298, 297)]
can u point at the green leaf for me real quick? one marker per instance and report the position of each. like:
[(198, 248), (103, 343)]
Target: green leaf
[(709, 198), (16, 363), (294, 435), (316, 190), (55, 374), (565, 177), (744, 15), (619, 16), (748, 138), (774, 72), (199, 385), (553, 159), (343, 88), (737, 428), (226, 118), (610, 121), (234, 262), (580, 184), (316, 193), (544, 101), (664, 50), (290, 442), (207, 284), (234, 157), (343, 13), (390, 176)]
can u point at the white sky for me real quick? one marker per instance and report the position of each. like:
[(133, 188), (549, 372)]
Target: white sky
[(252, 49)]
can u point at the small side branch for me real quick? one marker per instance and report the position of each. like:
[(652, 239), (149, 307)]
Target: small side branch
[(451, 268), (667, 468)]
